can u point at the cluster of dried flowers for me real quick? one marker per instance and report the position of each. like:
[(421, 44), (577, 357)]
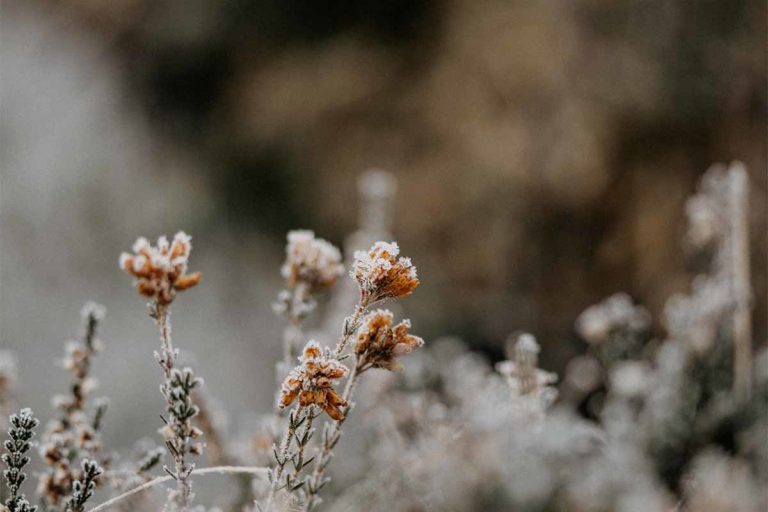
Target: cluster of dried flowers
[(636, 424), (380, 275), (312, 265), (161, 271), (312, 381)]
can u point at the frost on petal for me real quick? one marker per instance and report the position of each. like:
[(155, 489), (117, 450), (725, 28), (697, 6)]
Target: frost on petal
[(160, 271)]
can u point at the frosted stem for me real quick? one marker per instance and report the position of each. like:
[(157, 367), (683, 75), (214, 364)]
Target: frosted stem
[(742, 317), (221, 470)]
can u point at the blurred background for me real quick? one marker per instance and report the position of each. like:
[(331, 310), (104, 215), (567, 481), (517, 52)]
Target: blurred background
[(543, 152)]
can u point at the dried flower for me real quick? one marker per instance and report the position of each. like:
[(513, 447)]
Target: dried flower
[(521, 371), (161, 271), (597, 323), (378, 344), (380, 274), (312, 381), (311, 261), (311, 265), (630, 379)]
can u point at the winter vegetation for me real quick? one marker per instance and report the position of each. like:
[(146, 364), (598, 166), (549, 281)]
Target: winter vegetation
[(637, 422)]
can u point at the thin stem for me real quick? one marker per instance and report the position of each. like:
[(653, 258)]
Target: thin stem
[(163, 319), (221, 470), (742, 318), (351, 323), (303, 441), (330, 438), (294, 330), (167, 361), (285, 446)]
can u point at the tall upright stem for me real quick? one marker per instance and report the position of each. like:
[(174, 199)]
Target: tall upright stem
[(163, 319), (167, 360), (739, 250), (330, 438), (294, 420), (292, 334)]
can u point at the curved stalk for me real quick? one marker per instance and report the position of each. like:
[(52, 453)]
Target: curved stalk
[(220, 470)]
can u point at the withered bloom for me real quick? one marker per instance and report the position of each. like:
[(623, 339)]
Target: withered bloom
[(379, 344), (312, 381), (311, 261), (521, 371), (382, 275), (161, 271)]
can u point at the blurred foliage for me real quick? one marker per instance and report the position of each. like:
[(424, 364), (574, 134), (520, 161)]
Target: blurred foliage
[(543, 149)]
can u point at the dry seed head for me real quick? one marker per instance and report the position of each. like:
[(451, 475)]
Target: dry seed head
[(380, 344), (312, 261), (312, 382), (161, 271), (617, 312), (382, 275)]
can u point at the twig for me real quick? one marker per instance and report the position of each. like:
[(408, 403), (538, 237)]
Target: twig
[(331, 437), (221, 470), (351, 323), (295, 420)]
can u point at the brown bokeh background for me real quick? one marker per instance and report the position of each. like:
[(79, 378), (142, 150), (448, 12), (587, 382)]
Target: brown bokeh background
[(543, 152)]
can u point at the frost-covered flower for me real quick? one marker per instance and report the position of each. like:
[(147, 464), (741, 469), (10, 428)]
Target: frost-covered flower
[(381, 274), (312, 261), (379, 344), (717, 482), (617, 312), (694, 318), (630, 379), (521, 371), (312, 381), (161, 271)]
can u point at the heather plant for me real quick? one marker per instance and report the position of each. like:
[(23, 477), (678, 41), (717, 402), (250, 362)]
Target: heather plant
[(82, 490), (311, 266), (21, 431), (639, 421), (74, 436), (161, 272)]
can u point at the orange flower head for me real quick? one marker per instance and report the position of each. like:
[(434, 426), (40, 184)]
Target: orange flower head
[(382, 275), (312, 382), (160, 271), (380, 344)]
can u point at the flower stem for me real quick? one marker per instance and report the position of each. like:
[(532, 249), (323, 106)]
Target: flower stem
[(294, 421), (742, 319), (167, 360), (351, 323), (331, 436)]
